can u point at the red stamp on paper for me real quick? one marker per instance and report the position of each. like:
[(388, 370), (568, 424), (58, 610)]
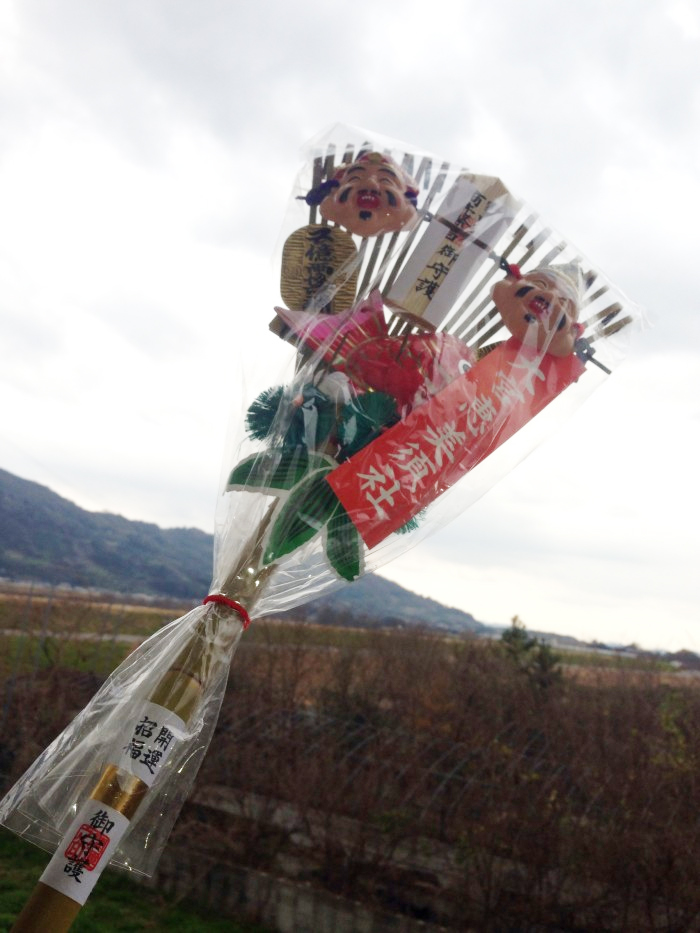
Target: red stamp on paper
[(87, 846)]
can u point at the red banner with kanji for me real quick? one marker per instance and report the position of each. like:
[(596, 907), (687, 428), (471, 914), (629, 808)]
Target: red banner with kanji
[(411, 464)]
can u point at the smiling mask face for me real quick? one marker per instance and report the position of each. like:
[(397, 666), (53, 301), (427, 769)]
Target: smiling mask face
[(540, 310), (374, 195)]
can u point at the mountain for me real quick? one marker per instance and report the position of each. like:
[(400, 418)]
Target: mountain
[(46, 539), (373, 600)]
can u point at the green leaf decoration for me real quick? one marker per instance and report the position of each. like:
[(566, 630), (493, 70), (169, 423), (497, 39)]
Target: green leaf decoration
[(278, 469), (261, 414), (274, 408), (343, 545), (412, 524), (364, 418), (302, 515)]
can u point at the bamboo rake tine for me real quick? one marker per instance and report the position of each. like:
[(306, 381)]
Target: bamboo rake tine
[(455, 317), (424, 169), (427, 166), (371, 262), (329, 164), (606, 331), (470, 336), (588, 282), (439, 182), (475, 321), (397, 326), (609, 329), (452, 323), (362, 249), (552, 254), (316, 180), (605, 316), (591, 298), (475, 316), (617, 326), (589, 278), (517, 236), (407, 164), (370, 278), (435, 188), (348, 155), (323, 168), (375, 283), (611, 312), (534, 244), (399, 260), (531, 247), (491, 332)]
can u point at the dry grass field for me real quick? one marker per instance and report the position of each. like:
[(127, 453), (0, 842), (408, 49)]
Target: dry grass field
[(455, 781)]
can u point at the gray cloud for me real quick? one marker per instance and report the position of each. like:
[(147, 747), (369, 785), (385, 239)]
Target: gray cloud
[(588, 113)]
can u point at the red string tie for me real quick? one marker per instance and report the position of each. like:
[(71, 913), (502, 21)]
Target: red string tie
[(232, 604)]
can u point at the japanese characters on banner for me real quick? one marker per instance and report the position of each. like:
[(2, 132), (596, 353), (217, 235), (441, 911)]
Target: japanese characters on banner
[(91, 839), (391, 480)]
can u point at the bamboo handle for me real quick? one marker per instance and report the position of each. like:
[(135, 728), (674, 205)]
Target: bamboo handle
[(50, 911)]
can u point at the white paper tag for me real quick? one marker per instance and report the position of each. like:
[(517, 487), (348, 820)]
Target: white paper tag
[(85, 850), (149, 741)]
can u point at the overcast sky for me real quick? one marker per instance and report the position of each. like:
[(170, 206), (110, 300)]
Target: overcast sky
[(147, 154)]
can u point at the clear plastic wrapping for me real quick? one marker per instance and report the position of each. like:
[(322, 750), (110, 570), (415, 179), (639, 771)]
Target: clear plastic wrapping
[(408, 316), (437, 328), (171, 687)]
